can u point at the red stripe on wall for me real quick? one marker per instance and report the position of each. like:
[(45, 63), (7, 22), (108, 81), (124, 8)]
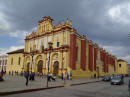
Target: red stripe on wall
[(83, 55), (90, 58), (73, 51), (95, 58)]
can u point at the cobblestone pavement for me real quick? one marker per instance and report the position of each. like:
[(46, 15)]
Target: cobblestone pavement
[(14, 83), (100, 89)]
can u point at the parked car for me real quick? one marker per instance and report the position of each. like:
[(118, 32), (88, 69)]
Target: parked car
[(112, 76), (121, 76), (117, 81), (106, 78)]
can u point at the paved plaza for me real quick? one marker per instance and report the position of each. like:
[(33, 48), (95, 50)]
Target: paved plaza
[(15, 83), (98, 89)]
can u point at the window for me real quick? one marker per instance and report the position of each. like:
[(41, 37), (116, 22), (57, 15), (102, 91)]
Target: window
[(30, 49), (58, 44), (119, 65), (42, 47), (19, 61), (12, 61), (34, 47)]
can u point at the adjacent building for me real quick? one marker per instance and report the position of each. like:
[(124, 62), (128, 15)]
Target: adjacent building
[(15, 62), (3, 62), (128, 68), (122, 67), (70, 52)]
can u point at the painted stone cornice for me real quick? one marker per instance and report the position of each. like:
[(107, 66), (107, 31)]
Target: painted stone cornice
[(46, 50)]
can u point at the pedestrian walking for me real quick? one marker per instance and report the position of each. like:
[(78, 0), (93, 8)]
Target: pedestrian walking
[(30, 76), (9, 72), (62, 76), (33, 75), (12, 73), (1, 77), (65, 75), (26, 75), (52, 77), (70, 75), (129, 85), (49, 77), (40, 74)]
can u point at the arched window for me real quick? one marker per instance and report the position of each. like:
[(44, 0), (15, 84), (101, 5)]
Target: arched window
[(19, 60), (12, 61), (119, 65)]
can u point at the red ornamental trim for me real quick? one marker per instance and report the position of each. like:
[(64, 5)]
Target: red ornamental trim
[(83, 55), (73, 51), (90, 58), (95, 58)]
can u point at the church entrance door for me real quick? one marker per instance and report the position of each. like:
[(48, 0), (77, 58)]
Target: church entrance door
[(40, 66), (56, 68)]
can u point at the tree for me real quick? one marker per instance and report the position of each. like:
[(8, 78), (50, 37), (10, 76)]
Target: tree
[(129, 36)]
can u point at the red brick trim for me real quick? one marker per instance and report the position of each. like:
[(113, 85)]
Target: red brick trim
[(72, 51), (83, 55)]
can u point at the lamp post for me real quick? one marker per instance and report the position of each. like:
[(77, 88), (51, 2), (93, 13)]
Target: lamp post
[(50, 48), (32, 61)]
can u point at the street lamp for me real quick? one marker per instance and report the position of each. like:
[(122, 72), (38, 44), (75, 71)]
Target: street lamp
[(50, 48), (32, 61)]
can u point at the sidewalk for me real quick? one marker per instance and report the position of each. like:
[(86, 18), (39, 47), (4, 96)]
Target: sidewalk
[(17, 83)]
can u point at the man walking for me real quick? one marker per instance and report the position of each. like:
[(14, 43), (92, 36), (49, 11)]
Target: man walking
[(26, 75)]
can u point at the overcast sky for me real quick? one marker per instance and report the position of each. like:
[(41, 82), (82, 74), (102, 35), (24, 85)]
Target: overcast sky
[(106, 22)]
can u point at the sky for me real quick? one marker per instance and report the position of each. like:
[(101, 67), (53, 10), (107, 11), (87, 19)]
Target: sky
[(106, 22)]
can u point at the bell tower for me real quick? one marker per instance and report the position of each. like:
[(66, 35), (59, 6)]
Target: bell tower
[(45, 25)]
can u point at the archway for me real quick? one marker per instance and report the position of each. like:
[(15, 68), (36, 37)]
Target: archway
[(39, 66), (56, 68)]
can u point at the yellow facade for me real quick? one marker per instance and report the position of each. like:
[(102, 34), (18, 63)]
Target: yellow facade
[(122, 67), (35, 42), (67, 54), (15, 62)]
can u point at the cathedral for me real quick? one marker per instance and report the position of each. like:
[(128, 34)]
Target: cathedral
[(60, 48)]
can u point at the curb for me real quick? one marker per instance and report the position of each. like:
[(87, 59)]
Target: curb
[(38, 89)]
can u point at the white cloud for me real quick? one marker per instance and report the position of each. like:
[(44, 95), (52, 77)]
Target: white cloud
[(126, 58), (4, 24), (21, 33), (113, 49), (120, 13), (12, 48)]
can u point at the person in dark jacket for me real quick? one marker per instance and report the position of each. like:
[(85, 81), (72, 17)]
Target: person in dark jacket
[(62, 76), (26, 75), (129, 85), (33, 75)]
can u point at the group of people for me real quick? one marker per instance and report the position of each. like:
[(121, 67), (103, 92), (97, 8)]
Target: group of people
[(50, 77), (66, 76), (13, 73), (1, 76)]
